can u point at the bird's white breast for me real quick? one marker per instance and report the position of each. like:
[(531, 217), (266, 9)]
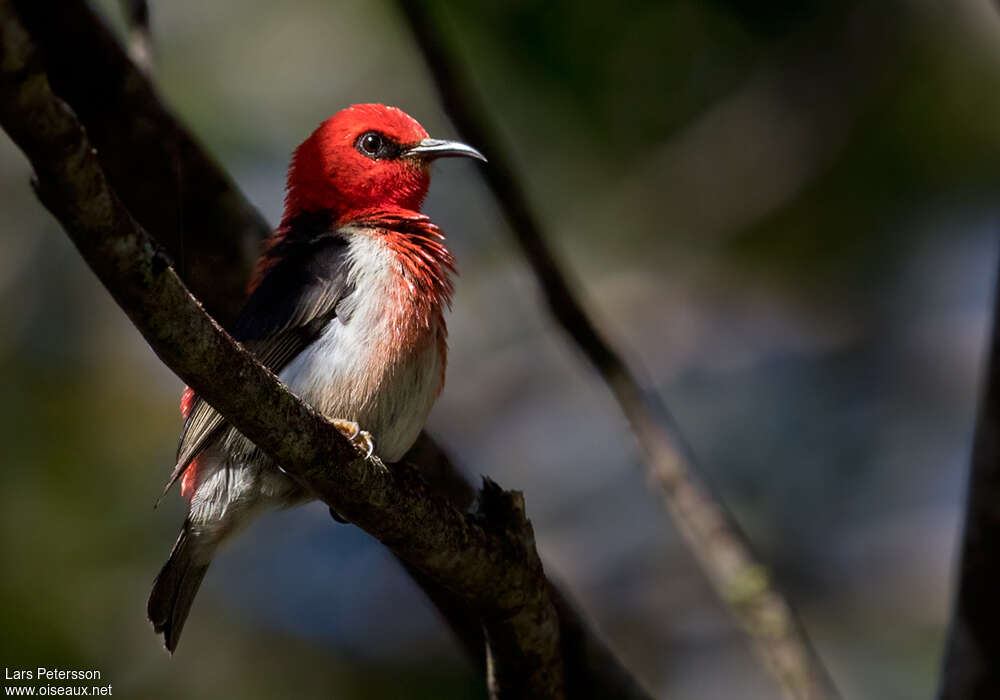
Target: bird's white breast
[(358, 369)]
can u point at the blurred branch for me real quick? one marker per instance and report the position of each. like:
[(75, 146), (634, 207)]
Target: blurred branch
[(971, 667), (64, 163), (725, 554)]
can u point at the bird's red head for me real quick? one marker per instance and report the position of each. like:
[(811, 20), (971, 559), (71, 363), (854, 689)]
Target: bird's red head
[(363, 158)]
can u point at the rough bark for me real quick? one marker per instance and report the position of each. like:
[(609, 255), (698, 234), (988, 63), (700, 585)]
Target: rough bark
[(592, 670)]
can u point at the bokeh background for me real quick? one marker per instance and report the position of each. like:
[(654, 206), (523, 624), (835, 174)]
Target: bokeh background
[(785, 212)]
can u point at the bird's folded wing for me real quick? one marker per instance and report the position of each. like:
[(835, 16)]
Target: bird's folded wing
[(294, 302)]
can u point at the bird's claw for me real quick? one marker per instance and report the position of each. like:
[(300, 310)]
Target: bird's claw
[(361, 439)]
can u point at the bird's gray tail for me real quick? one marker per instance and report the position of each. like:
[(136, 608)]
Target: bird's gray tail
[(175, 587)]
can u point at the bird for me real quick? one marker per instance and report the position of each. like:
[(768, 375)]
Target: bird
[(346, 306)]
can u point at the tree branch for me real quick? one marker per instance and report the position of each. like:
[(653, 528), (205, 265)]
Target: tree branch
[(712, 534), (487, 557), (970, 668)]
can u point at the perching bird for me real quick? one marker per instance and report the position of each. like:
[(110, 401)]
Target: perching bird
[(346, 307)]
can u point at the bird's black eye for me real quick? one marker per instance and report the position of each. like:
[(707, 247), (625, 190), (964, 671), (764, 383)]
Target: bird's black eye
[(377, 146), (371, 144)]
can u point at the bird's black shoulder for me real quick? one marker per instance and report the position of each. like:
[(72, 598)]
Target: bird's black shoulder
[(301, 288)]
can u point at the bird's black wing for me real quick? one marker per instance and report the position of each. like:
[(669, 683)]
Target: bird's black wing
[(288, 310)]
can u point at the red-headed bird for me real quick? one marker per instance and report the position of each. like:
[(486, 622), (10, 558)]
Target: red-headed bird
[(346, 307)]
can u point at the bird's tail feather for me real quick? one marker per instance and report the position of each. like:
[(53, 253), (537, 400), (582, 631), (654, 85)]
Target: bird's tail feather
[(175, 587)]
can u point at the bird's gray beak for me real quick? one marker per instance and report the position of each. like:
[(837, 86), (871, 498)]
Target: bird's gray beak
[(430, 149)]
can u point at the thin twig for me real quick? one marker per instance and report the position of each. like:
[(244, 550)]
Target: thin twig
[(742, 581), (971, 668)]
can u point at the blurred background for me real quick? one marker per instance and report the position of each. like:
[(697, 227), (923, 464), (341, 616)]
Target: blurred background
[(785, 212)]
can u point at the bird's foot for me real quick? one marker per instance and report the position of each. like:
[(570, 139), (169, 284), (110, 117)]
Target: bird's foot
[(361, 439)]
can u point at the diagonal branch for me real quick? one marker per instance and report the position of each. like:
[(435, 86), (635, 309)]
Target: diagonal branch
[(487, 557), (973, 648), (711, 532)]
